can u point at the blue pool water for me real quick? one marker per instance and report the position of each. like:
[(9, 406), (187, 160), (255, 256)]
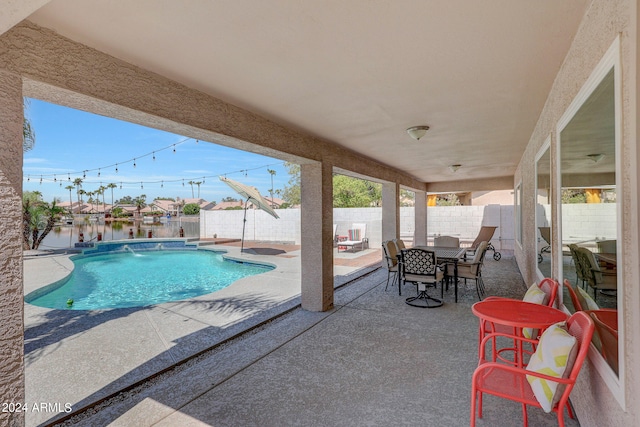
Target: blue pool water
[(128, 279)]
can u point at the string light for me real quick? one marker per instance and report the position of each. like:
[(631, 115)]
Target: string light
[(154, 156), (174, 148), (55, 179), (28, 178), (84, 174), (98, 171), (116, 168), (134, 163)]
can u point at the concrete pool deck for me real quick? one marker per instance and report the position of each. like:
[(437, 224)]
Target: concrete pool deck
[(80, 357)]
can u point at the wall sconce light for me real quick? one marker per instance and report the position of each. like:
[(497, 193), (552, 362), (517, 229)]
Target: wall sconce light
[(454, 168), (417, 132), (595, 157)]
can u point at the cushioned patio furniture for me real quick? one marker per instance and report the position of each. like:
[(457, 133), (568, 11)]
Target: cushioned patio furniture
[(546, 382), (391, 261), (598, 278), (420, 266), (472, 269), (545, 233), (485, 235), (357, 237)]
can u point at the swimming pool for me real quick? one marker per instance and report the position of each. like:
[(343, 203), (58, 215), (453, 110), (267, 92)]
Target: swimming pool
[(133, 279)]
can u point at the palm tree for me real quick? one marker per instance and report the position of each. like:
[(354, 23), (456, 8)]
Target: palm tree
[(111, 186), (140, 202), (198, 184), (191, 184), (52, 213), (78, 183), (70, 187)]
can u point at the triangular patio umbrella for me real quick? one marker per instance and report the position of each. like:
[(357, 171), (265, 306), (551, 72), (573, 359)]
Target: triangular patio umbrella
[(250, 194)]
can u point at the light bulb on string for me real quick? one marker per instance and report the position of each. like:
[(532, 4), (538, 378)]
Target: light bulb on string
[(121, 186), (134, 163), (183, 182), (154, 156), (84, 174), (141, 186), (55, 179), (69, 177), (116, 168), (60, 183), (28, 178), (174, 148), (98, 171), (40, 179), (161, 184)]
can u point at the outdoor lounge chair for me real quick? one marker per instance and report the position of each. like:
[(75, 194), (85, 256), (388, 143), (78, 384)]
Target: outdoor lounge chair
[(485, 235), (357, 237), (545, 232)]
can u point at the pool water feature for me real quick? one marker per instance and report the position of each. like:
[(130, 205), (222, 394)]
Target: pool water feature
[(130, 278)]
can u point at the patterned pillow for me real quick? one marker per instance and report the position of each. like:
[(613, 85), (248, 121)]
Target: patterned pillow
[(354, 234), (586, 301), (534, 295), (555, 356)]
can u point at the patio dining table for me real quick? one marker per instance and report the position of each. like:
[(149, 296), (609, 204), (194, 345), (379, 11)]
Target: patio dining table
[(448, 255)]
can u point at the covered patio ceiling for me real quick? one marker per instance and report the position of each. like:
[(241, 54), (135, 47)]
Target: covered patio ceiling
[(357, 73)]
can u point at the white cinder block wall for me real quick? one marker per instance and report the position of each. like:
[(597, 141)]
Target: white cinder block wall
[(582, 221)]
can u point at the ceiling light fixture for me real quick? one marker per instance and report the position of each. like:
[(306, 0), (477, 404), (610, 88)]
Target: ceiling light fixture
[(454, 168), (417, 132), (595, 157)]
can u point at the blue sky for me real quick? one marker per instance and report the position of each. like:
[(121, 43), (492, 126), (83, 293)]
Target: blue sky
[(69, 142)]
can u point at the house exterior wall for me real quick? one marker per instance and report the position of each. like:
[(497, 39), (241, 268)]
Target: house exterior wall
[(11, 303), (604, 21)]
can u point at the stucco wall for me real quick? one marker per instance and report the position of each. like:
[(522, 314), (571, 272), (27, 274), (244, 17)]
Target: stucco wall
[(11, 303), (603, 22)]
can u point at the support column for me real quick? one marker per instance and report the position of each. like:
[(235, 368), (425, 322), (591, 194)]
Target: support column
[(390, 211), (420, 218), (316, 224), (11, 304)]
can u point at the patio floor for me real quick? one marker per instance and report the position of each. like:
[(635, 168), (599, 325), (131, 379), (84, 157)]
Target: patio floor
[(372, 360)]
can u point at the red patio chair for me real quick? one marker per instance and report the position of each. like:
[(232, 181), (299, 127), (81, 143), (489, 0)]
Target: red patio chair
[(510, 382)]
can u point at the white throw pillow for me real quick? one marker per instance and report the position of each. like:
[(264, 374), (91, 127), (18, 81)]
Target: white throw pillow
[(534, 295), (554, 356), (583, 296)]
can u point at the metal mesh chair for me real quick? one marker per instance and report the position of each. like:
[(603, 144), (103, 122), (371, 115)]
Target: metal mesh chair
[(420, 266)]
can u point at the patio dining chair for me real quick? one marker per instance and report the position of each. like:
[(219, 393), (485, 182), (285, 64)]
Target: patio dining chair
[(472, 269), (391, 260), (420, 266), (598, 278), (547, 381), (447, 242)]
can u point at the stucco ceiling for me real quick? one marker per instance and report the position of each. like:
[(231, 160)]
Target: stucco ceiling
[(355, 72)]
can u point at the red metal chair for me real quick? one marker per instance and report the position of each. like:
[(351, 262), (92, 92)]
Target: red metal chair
[(572, 294), (510, 382), (606, 324)]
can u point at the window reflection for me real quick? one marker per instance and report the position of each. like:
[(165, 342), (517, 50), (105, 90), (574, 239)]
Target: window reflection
[(589, 213), (543, 212)]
